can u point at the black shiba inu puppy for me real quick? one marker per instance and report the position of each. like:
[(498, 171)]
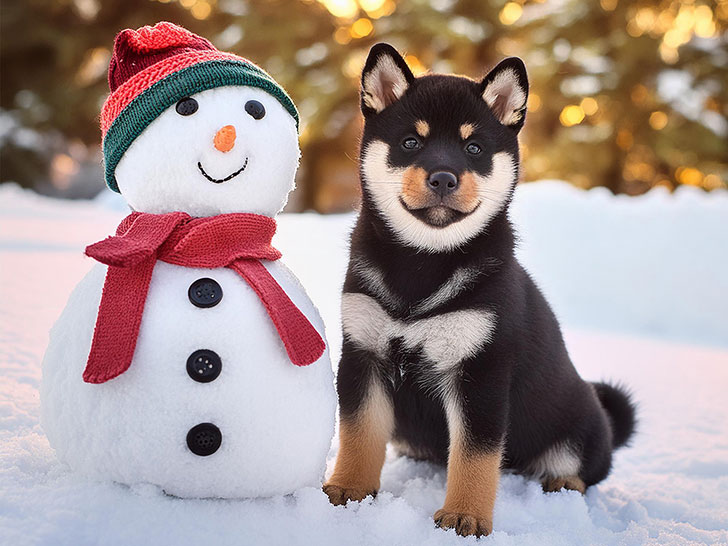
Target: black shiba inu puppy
[(450, 350)]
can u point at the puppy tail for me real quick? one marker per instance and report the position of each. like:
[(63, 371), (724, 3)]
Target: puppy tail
[(620, 408)]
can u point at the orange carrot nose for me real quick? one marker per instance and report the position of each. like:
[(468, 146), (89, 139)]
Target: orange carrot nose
[(225, 138)]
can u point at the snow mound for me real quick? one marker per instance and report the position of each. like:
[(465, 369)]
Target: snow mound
[(653, 264), (651, 267)]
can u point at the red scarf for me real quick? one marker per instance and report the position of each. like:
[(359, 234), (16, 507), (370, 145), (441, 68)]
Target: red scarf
[(237, 241)]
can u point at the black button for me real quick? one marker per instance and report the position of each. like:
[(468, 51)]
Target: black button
[(205, 293), (204, 439), (204, 365)]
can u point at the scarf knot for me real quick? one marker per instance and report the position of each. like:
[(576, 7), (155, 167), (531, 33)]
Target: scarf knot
[(236, 241)]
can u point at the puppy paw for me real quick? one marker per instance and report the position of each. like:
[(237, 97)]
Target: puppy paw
[(572, 483), (464, 524), (339, 495)]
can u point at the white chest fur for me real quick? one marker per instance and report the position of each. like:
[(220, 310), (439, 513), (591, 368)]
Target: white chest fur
[(445, 340)]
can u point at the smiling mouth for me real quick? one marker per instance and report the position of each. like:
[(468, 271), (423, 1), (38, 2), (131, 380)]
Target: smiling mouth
[(221, 180), (439, 216)]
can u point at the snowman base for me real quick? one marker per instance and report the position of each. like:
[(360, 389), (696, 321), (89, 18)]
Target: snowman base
[(261, 428)]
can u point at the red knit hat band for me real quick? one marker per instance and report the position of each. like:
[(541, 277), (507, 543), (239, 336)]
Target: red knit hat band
[(139, 82)]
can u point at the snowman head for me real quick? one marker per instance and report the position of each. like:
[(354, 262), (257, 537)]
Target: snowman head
[(189, 128)]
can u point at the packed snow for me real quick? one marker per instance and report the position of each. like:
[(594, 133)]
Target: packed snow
[(640, 285)]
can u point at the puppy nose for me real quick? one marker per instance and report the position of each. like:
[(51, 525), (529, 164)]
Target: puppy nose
[(442, 183), (225, 138)]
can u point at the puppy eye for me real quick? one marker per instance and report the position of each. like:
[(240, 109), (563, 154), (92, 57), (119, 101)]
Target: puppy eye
[(410, 143), (255, 109), (187, 106), (473, 148)]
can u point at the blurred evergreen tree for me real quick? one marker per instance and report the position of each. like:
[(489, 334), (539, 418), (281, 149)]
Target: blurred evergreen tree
[(624, 94)]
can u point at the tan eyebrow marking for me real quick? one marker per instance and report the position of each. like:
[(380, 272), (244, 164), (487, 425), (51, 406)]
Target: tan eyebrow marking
[(422, 128), (466, 130)]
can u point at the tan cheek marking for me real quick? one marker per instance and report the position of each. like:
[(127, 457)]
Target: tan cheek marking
[(362, 447), (466, 130), (466, 198), (414, 190), (422, 128), (472, 482)]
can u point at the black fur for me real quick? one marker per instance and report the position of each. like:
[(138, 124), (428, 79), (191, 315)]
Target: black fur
[(621, 412), (520, 391)]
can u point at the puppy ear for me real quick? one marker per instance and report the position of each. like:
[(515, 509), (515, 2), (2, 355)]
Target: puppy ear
[(505, 90), (384, 80)]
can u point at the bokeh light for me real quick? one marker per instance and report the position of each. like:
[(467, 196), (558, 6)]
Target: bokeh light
[(625, 94)]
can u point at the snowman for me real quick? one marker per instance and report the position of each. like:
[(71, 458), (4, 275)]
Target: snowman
[(190, 357)]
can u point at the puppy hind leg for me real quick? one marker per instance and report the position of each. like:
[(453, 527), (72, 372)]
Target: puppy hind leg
[(559, 467), (571, 483)]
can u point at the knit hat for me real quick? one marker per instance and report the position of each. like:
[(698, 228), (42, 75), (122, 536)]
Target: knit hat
[(152, 68)]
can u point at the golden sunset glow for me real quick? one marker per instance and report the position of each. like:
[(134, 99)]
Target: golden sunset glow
[(616, 87), (534, 103), (353, 65), (415, 65), (625, 139), (571, 115), (676, 24), (658, 120), (361, 28), (689, 175), (201, 10), (510, 13), (346, 9), (342, 35), (589, 105)]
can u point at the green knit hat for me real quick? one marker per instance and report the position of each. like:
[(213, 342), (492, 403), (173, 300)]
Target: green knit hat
[(152, 68)]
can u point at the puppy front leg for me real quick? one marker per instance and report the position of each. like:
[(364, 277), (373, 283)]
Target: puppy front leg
[(472, 481), (473, 471), (364, 430)]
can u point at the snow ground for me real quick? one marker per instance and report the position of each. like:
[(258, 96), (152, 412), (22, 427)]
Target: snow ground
[(640, 284)]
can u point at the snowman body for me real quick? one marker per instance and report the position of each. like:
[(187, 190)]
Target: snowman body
[(275, 419), (211, 405)]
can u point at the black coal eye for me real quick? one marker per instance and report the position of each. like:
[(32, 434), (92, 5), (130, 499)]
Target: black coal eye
[(473, 148), (187, 106), (410, 143), (255, 109)]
